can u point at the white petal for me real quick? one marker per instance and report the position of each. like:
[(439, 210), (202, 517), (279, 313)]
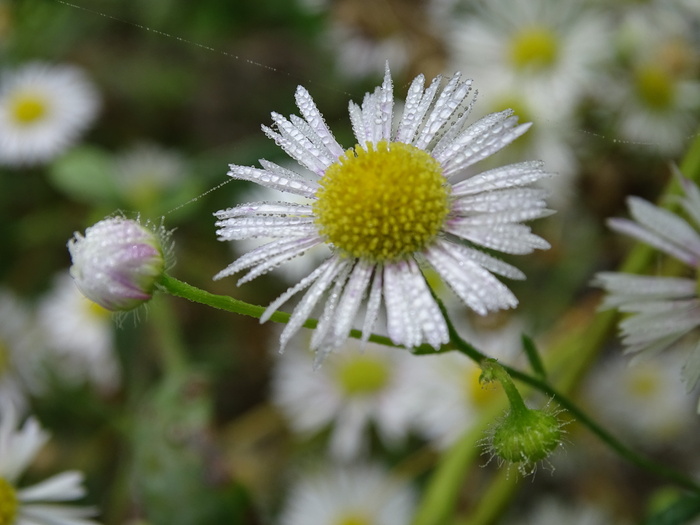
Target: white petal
[(353, 294), (428, 315), (303, 310), (499, 200), (247, 227), (665, 224), (293, 290), (304, 152), (447, 104), (480, 140), (510, 176), (373, 303), (297, 247), (413, 115), (490, 263), (400, 323), (639, 232), (624, 287), (507, 238), (313, 116), (327, 318), (274, 177), (265, 209), (61, 487)]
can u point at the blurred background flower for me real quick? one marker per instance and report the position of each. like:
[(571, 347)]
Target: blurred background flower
[(138, 108)]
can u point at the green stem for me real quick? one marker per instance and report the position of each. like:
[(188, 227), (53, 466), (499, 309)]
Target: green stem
[(224, 302), (172, 351), (583, 418)]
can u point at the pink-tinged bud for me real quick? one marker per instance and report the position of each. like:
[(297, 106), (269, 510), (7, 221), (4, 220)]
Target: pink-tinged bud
[(117, 263)]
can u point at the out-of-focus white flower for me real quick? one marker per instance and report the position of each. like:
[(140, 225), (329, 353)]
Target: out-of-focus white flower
[(364, 34), (647, 401), (654, 95), (539, 58), (80, 336), (19, 351), (361, 494), (117, 263), (146, 171), (445, 391), (400, 198), (546, 51), (43, 110), (41, 503), (354, 389), (552, 511), (664, 311)]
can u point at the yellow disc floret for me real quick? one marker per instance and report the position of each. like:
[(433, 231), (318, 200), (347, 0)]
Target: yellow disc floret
[(534, 48), (8, 503), (363, 375), (655, 87), (383, 202), (27, 108)]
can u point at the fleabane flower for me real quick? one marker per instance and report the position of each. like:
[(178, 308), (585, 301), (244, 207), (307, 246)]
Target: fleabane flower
[(43, 109), (117, 263), (38, 504), (663, 311), (396, 200), (356, 495)]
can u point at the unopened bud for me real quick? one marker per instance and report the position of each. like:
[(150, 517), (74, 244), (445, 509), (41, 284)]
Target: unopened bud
[(525, 438), (118, 263)]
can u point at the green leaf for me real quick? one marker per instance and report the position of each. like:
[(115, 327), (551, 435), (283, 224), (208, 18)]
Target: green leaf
[(85, 174), (678, 513)]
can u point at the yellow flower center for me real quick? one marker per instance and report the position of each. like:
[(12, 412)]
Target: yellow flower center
[(477, 393), (655, 87), (5, 359), (382, 203), (353, 518), (8, 503), (643, 382), (363, 375), (28, 108), (534, 48)]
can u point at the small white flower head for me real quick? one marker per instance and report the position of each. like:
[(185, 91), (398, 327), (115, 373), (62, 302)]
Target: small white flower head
[(79, 335), (353, 389), (654, 96), (357, 495), (43, 109), (146, 174), (403, 197), (547, 50), (41, 503), (20, 347), (118, 262), (663, 311), (552, 511), (647, 402)]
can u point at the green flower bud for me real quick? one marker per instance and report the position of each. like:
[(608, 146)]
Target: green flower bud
[(525, 438)]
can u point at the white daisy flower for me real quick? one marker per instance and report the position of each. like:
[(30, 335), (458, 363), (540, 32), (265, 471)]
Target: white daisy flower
[(654, 98), (663, 311), (648, 401), (43, 110), (362, 494), (394, 201), (19, 351), (146, 171), (552, 511), (80, 336), (549, 50), (355, 388), (38, 504)]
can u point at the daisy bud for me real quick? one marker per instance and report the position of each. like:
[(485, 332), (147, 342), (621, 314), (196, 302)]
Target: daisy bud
[(117, 263), (524, 436)]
